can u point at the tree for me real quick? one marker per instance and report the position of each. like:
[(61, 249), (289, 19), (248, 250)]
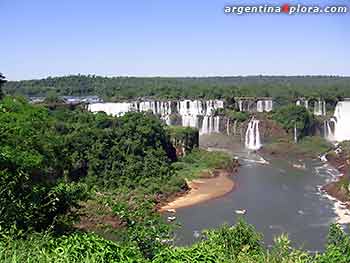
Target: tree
[(291, 115), (2, 82)]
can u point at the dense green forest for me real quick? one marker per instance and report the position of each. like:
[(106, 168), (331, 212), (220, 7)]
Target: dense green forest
[(119, 88), (58, 166)]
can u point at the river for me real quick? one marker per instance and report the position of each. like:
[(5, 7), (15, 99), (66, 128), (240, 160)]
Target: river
[(278, 197)]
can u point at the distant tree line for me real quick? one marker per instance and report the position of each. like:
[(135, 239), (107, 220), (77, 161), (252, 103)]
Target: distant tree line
[(123, 88)]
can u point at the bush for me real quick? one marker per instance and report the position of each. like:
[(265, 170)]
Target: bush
[(33, 191), (77, 247)]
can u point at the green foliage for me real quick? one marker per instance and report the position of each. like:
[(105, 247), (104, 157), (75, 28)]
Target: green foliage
[(118, 88), (345, 146), (33, 191), (48, 158), (237, 115), (309, 146), (290, 115), (314, 145), (185, 137), (77, 247), (199, 161), (241, 237), (52, 97), (338, 247), (130, 153)]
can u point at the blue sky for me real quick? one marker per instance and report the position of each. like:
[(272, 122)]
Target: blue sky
[(41, 38)]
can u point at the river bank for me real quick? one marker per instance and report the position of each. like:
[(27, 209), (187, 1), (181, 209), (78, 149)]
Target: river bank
[(208, 185), (202, 190), (339, 189)]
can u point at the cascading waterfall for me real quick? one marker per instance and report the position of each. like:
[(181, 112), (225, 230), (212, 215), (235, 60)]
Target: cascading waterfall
[(307, 104), (235, 127), (328, 131), (295, 133), (252, 136), (320, 108), (249, 105), (228, 126), (259, 106), (190, 111), (341, 121), (240, 105), (268, 105), (304, 102), (211, 124), (114, 109)]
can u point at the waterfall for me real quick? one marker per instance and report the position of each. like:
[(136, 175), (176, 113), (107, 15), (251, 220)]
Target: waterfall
[(259, 106), (235, 128), (306, 104), (295, 133), (211, 124), (268, 105), (189, 110), (328, 131), (320, 108), (240, 105), (228, 126), (205, 125), (341, 121), (252, 136), (190, 121), (114, 109), (217, 124)]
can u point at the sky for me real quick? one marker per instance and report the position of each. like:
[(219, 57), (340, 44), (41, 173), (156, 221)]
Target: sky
[(41, 38)]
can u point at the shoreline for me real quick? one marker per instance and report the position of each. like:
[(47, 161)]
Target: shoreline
[(203, 189), (332, 188)]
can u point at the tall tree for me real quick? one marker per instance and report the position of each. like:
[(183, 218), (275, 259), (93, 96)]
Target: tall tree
[(2, 81)]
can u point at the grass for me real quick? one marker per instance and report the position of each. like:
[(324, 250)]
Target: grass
[(200, 161), (308, 146)]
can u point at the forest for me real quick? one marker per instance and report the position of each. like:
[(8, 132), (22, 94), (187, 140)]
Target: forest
[(82, 187), (124, 88), (60, 165)]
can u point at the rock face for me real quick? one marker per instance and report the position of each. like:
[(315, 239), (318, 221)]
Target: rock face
[(340, 159)]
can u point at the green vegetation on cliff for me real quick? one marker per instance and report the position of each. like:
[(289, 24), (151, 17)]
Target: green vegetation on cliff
[(198, 161), (292, 116), (184, 139)]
